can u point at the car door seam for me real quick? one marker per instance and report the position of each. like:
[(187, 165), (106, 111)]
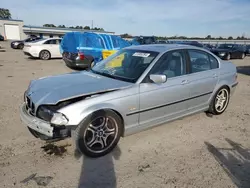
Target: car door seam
[(168, 104)]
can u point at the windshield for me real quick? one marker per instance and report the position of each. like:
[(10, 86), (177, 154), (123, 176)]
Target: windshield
[(225, 46), (127, 64)]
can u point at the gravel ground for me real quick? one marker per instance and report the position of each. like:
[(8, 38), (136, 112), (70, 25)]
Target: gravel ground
[(197, 151)]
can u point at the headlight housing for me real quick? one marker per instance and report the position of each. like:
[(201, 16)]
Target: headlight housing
[(222, 53), (45, 113), (59, 119)]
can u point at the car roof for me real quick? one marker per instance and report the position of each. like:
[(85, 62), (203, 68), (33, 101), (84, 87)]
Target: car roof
[(162, 47), (53, 38)]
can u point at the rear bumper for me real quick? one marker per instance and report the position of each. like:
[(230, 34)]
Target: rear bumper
[(82, 64), (27, 53), (41, 128), (233, 87)]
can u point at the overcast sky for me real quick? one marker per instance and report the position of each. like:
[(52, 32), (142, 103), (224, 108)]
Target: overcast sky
[(140, 17)]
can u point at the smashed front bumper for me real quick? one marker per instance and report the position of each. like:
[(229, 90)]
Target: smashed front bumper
[(42, 129)]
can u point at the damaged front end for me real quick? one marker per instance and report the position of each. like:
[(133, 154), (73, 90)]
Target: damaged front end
[(45, 122)]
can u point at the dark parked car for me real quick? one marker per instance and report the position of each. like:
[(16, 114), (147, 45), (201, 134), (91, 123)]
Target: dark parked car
[(248, 49), (144, 40), (210, 46), (229, 51), (1, 38), (162, 42), (19, 44), (192, 43)]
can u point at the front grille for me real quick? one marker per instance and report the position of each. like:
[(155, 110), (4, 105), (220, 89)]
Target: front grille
[(30, 105)]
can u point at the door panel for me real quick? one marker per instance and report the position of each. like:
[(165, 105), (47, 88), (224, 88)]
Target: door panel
[(201, 87), (56, 50), (203, 78), (159, 102), (51, 46)]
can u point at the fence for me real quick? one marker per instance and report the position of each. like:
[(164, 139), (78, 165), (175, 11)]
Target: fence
[(209, 41)]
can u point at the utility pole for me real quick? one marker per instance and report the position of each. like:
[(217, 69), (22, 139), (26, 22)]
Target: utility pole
[(91, 24)]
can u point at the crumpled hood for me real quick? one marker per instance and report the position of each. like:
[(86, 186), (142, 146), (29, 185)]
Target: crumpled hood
[(53, 89)]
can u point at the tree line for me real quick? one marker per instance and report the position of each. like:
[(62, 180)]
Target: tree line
[(74, 27), (209, 37)]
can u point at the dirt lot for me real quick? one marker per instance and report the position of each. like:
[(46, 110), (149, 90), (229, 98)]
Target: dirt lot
[(197, 151)]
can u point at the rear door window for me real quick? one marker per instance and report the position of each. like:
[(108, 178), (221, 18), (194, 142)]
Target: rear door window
[(51, 41), (199, 61)]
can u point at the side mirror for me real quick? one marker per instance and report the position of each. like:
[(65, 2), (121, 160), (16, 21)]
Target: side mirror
[(158, 78)]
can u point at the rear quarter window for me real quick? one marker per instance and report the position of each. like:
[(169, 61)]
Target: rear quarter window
[(199, 61), (214, 62)]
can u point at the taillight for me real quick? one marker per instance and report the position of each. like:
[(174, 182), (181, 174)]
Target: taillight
[(81, 56)]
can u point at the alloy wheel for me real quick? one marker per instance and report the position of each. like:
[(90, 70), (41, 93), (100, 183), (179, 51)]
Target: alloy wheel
[(222, 99), (100, 134), (45, 55)]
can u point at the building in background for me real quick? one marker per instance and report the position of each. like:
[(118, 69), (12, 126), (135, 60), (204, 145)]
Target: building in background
[(16, 30), (12, 29)]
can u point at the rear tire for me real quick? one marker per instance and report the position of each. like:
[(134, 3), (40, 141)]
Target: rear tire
[(44, 55), (91, 65), (220, 101), (99, 133)]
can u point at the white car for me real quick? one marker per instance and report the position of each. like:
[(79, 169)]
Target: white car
[(44, 48)]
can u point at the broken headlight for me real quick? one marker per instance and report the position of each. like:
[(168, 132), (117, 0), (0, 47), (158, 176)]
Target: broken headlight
[(59, 119), (45, 113)]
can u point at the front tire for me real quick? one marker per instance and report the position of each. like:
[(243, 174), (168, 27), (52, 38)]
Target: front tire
[(44, 55), (228, 57), (243, 55), (99, 133), (20, 46), (220, 101)]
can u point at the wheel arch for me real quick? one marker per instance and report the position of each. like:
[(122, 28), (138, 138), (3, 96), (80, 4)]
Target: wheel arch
[(44, 50), (88, 111), (218, 88), (123, 125), (90, 58)]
